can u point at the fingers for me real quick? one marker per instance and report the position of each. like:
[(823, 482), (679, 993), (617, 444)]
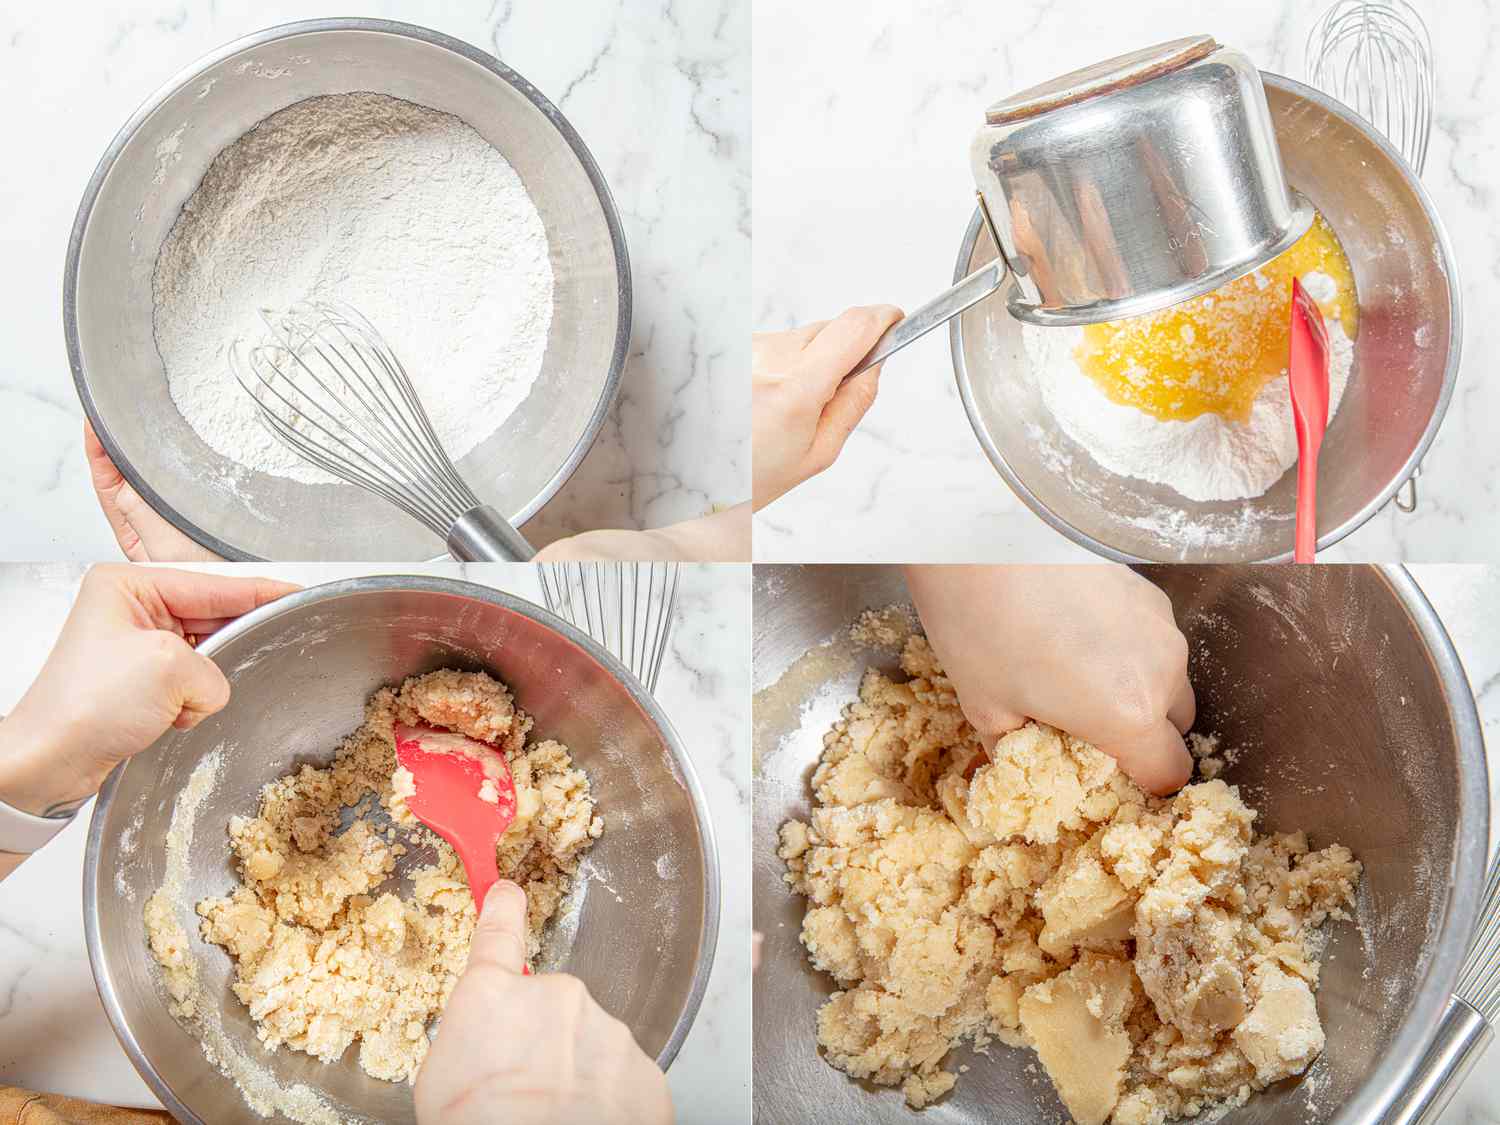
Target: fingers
[(723, 536), (100, 466), (609, 546), (770, 345), (807, 333), (143, 534), (796, 339), (199, 685), (988, 742), (500, 934), (1183, 710), (1156, 760), (1155, 597), (842, 343), (190, 596), (110, 488)]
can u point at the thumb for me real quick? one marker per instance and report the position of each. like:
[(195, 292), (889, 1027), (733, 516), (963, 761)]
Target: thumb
[(200, 687), (500, 934), (1157, 760)]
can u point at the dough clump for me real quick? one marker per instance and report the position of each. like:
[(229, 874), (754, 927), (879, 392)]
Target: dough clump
[(322, 957), (1158, 955)]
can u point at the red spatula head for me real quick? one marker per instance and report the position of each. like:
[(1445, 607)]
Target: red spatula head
[(1307, 371), (464, 793)]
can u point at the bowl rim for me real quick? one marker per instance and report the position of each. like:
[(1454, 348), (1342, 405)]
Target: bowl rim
[(1387, 1078), (187, 74), (1413, 461), (708, 935)]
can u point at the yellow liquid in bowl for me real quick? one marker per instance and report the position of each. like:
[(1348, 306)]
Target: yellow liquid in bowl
[(1213, 354)]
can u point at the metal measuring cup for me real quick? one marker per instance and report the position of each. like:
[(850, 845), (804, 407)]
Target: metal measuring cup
[(1123, 188)]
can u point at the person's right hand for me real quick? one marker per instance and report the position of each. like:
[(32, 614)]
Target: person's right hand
[(720, 537), (531, 1050), (1089, 649), (801, 412), (142, 535)]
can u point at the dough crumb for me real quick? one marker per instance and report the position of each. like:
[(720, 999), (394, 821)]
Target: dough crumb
[(323, 957), (169, 945), (1158, 955), (886, 628)]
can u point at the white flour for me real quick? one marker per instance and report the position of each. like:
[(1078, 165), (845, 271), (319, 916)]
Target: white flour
[(405, 213), (1205, 458)]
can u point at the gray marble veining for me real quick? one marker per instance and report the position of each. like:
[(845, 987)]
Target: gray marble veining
[(45, 982), (659, 92), (862, 120)]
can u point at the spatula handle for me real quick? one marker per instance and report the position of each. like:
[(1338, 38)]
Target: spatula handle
[(1307, 505), (935, 313), (482, 877), (483, 874)]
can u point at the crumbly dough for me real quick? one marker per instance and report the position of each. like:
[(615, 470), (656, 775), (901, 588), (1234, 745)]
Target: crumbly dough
[(1156, 954), (322, 957)]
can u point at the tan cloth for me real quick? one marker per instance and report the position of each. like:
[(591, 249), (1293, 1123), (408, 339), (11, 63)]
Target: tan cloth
[(26, 1107)]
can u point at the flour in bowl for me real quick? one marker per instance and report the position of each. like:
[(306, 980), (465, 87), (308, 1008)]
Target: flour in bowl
[(405, 213), (1207, 457)]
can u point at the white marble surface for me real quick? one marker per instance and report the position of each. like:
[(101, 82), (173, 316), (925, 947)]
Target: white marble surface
[(659, 93), (862, 119), (45, 982)]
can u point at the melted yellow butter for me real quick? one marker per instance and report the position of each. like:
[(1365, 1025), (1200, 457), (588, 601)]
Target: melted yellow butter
[(1214, 353)]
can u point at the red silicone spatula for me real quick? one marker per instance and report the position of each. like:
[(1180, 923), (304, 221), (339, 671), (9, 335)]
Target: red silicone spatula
[(449, 772), (1307, 369)]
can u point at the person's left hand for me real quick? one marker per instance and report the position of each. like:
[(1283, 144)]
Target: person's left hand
[(143, 535), (122, 672)]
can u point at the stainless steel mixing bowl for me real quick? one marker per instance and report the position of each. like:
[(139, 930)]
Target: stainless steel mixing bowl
[(1115, 190), (1405, 365), (156, 161), (1356, 722), (642, 937)]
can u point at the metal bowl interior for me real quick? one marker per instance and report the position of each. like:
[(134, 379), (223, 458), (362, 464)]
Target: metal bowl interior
[(640, 929), (156, 162), (1405, 365), (1356, 723)]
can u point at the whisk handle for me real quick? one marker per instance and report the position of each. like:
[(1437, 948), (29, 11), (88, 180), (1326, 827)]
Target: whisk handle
[(1461, 1038), (483, 535)]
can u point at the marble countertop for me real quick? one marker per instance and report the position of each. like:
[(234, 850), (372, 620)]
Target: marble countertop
[(675, 152), (862, 120), (45, 982)]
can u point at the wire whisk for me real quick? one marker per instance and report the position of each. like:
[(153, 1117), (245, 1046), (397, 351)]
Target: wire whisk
[(626, 607), (1376, 57), (1479, 982), (327, 385), (1467, 1026)]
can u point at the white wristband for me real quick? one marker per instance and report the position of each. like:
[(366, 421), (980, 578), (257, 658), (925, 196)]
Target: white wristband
[(21, 833)]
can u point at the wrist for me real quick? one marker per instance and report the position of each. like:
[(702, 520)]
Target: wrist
[(37, 771)]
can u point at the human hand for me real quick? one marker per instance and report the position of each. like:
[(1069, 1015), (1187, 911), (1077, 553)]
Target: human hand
[(143, 535), (122, 671), (800, 415), (720, 537), (1092, 650), (531, 1050)]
